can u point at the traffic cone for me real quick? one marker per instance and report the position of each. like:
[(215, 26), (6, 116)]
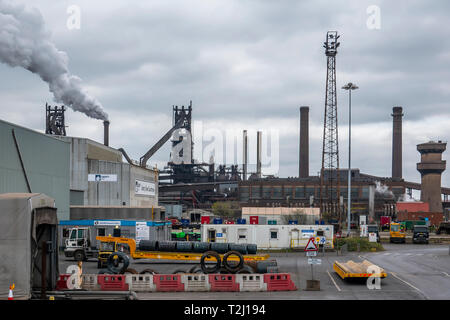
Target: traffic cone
[(10, 295)]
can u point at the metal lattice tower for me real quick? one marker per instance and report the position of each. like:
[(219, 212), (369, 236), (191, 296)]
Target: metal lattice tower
[(329, 175), (55, 120)]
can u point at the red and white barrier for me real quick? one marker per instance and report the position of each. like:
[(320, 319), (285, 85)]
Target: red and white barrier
[(251, 282), (223, 282), (61, 284), (112, 282), (194, 282), (168, 282), (140, 282), (279, 282), (89, 282)]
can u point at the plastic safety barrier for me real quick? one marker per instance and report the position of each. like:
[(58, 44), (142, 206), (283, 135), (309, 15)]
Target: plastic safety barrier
[(279, 282), (89, 282), (168, 282), (61, 284), (251, 282), (140, 282), (223, 282), (112, 282), (195, 282)]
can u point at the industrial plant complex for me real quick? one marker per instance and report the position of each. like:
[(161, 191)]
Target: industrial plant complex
[(67, 201)]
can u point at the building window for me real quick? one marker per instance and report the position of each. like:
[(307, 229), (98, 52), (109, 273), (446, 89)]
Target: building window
[(242, 236), (65, 233), (101, 232), (273, 234)]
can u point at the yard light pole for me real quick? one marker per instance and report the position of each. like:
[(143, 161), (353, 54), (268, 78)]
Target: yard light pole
[(349, 86)]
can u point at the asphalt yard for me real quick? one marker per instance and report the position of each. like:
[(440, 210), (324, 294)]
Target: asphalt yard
[(414, 272)]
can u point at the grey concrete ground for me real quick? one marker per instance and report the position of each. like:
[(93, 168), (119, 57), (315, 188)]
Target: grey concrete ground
[(414, 272)]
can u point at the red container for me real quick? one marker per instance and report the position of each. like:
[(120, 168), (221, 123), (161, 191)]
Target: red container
[(229, 222), (168, 282), (205, 220), (223, 282), (112, 282), (254, 219), (385, 222), (279, 282)]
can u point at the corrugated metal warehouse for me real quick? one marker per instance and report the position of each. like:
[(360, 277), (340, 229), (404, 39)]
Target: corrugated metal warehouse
[(99, 178), (45, 165)]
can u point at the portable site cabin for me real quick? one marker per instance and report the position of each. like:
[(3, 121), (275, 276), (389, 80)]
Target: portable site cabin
[(28, 224), (268, 236)]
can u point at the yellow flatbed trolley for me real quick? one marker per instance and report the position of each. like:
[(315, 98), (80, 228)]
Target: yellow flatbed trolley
[(351, 269)]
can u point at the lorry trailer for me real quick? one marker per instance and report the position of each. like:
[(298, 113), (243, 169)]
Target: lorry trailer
[(109, 244)]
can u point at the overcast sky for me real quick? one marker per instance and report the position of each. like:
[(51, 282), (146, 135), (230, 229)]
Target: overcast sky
[(250, 65)]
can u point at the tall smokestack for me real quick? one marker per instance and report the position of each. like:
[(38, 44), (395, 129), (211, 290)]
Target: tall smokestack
[(106, 133), (397, 142), (303, 170), (258, 153), (244, 155)]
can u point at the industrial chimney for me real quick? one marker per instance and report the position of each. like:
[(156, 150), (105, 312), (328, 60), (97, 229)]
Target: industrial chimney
[(106, 133), (303, 170), (397, 143), (244, 156), (258, 153)]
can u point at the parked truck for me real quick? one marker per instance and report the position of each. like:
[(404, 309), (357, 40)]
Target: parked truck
[(444, 227), (420, 234), (79, 245)]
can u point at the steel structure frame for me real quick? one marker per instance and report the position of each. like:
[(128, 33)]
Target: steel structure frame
[(330, 148)]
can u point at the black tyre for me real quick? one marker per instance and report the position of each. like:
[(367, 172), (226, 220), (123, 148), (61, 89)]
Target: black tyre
[(201, 247), (245, 269), (219, 247), (148, 245), (104, 271), (203, 263), (195, 269), (79, 256), (241, 248), (130, 271), (232, 266), (117, 258), (179, 271), (252, 248), (167, 246), (148, 271)]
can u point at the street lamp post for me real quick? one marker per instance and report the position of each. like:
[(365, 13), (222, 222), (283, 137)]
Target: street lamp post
[(349, 86)]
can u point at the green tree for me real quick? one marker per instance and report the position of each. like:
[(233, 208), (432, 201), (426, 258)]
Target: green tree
[(226, 209)]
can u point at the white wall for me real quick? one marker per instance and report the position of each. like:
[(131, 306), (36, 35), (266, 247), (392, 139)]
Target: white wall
[(287, 236)]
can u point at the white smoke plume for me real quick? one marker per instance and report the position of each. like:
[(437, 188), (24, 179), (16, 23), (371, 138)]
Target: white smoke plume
[(24, 42), (383, 189), (406, 198)]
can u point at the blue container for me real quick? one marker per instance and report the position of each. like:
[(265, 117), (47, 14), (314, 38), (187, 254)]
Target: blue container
[(322, 222), (241, 221), (184, 222), (317, 222), (293, 221), (217, 221)]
